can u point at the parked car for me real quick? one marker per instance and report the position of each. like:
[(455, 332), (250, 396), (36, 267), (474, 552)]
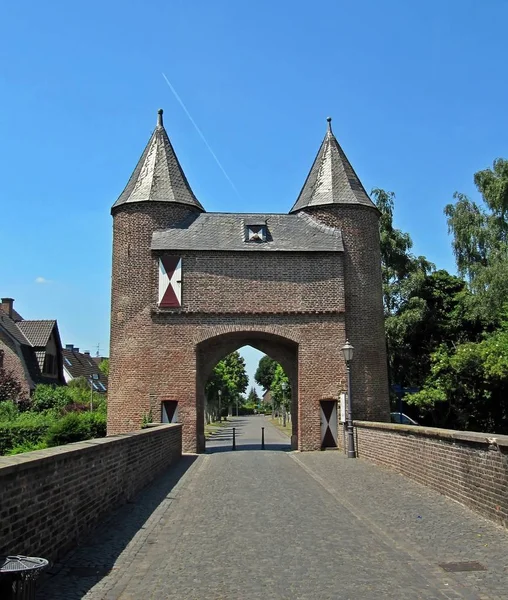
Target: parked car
[(402, 419)]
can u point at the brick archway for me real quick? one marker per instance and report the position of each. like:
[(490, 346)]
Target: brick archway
[(213, 349), (190, 286)]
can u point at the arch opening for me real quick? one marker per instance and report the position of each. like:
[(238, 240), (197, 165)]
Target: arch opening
[(210, 352)]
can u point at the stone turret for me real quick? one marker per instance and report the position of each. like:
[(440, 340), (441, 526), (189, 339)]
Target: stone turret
[(157, 196), (334, 195)]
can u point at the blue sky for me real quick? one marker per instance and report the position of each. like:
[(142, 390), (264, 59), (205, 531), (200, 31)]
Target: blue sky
[(417, 91)]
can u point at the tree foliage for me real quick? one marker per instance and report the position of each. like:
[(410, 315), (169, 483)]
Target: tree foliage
[(480, 239), (253, 398), (448, 335), (265, 372), (230, 377), (104, 366), (401, 270), (280, 396)]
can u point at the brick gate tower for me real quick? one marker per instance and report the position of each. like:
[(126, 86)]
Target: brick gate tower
[(189, 287)]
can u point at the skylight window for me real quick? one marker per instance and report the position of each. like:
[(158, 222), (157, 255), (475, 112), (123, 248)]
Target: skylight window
[(68, 362)]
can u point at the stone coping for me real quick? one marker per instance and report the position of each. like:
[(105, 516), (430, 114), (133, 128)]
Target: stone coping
[(31, 459), (449, 435)]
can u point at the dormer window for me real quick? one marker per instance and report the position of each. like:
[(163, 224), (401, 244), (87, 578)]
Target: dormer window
[(255, 231)]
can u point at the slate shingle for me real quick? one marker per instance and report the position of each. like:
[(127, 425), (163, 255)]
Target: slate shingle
[(332, 179), (158, 176), (78, 364), (227, 231)]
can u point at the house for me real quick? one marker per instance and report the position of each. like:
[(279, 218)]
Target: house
[(29, 349), (267, 398), (81, 364)]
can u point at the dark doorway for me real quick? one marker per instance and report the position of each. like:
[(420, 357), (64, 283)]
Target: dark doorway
[(328, 424), (169, 411)]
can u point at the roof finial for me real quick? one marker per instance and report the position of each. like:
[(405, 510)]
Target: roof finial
[(329, 119), (159, 118)]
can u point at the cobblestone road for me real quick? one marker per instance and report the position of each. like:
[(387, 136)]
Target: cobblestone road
[(277, 525)]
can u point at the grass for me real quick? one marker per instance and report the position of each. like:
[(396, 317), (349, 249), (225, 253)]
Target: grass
[(214, 427), (288, 430)]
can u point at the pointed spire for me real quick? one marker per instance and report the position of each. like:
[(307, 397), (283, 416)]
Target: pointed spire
[(158, 176), (332, 179)]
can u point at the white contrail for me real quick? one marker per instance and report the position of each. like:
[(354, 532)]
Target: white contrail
[(201, 134)]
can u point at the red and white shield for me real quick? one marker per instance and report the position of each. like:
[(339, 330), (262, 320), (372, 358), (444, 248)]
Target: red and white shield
[(170, 282)]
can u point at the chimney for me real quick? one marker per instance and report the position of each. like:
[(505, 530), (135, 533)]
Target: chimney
[(69, 347), (76, 350), (7, 306), (86, 352)]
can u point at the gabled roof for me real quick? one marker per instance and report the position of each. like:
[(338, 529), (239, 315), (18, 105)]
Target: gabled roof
[(28, 337), (79, 364), (227, 231), (12, 329), (332, 179), (37, 332), (158, 176), (16, 316)]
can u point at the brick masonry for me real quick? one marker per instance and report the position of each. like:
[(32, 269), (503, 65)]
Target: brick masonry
[(296, 307), (66, 490), (364, 306), (11, 362), (469, 467)]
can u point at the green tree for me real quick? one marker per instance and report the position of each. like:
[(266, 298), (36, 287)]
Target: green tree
[(434, 313), (467, 383), (401, 270), (280, 397), (466, 388), (230, 377), (253, 398), (104, 366), (265, 372), (480, 240)]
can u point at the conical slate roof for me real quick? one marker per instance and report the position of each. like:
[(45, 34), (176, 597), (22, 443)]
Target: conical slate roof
[(332, 179), (158, 176)]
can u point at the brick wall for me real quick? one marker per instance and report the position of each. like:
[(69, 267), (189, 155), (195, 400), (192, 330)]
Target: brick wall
[(66, 490), (471, 468), (364, 304), (12, 362), (258, 282), (297, 307), (289, 305)]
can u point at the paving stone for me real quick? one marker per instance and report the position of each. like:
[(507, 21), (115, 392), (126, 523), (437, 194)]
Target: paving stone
[(277, 525)]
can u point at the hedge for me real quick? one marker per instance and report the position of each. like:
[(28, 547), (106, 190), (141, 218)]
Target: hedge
[(18, 434), (76, 427), (31, 430)]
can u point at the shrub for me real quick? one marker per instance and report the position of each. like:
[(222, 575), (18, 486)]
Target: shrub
[(76, 427), (10, 387), (8, 411), (27, 428), (100, 404), (27, 447), (96, 423), (79, 383), (50, 396)]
